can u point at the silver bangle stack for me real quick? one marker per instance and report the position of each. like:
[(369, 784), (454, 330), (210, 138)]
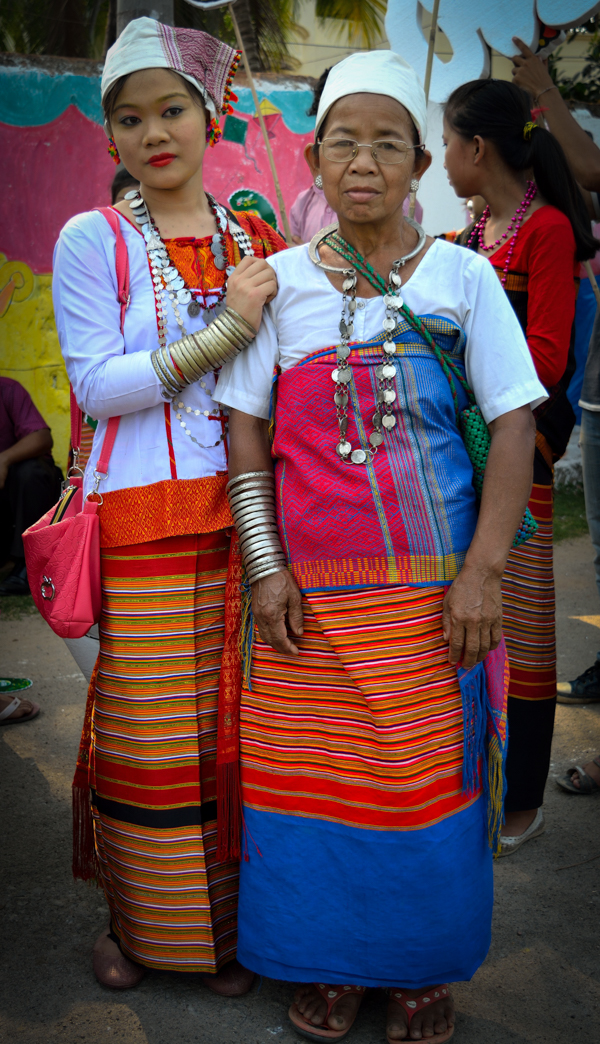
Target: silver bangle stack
[(199, 353), (252, 503)]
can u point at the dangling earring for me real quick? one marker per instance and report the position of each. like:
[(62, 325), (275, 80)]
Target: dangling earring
[(319, 181), (112, 151), (414, 185)]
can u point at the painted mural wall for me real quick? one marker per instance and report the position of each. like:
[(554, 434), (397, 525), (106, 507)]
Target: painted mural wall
[(55, 165)]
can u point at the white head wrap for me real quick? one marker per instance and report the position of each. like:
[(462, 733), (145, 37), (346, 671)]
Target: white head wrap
[(376, 72), (205, 62)]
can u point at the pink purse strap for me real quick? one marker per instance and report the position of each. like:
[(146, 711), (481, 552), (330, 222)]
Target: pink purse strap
[(123, 297)]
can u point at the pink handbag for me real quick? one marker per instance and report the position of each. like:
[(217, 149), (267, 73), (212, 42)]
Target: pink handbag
[(62, 549)]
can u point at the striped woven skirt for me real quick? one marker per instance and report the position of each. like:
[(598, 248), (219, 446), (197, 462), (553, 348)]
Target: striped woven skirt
[(367, 858), (529, 630), (152, 767)]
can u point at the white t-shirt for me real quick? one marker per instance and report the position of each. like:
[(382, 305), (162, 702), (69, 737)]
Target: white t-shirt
[(450, 282)]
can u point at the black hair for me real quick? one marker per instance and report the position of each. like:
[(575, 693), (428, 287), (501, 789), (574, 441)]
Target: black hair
[(317, 92), (499, 110), (120, 181)]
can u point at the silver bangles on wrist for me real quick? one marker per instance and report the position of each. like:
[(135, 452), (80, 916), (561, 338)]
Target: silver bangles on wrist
[(185, 361), (252, 502)]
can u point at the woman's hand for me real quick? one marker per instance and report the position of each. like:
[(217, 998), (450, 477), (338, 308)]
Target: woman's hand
[(277, 608), (472, 616), (250, 288)]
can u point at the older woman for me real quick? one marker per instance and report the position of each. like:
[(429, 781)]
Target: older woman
[(369, 789)]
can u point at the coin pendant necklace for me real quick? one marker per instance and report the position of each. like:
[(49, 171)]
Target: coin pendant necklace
[(383, 419)]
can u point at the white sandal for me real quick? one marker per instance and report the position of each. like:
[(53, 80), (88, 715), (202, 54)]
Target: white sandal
[(5, 715)]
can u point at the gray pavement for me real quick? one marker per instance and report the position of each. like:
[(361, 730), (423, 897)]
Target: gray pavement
[(540, 983)]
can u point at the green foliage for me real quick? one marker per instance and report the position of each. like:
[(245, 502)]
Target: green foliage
[(584, 86), (363, 19), (569, 513), (72, 28)]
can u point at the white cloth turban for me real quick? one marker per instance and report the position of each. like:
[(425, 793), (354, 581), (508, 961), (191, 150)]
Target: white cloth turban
[(376, 72)]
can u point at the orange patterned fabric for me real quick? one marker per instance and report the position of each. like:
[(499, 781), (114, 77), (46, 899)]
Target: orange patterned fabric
[(194, 259), (164, 509)]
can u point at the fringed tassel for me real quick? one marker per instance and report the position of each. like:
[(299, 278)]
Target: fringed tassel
[(496, 785), (483, 751), (246, 634), (229, 811), (472, 687), (85, 860)]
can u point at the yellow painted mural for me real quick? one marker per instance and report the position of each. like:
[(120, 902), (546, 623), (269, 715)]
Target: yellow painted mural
[(29, 349)]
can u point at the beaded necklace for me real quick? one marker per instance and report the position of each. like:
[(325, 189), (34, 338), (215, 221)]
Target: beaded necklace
[(170, 286), (516, 221), (383, 418)]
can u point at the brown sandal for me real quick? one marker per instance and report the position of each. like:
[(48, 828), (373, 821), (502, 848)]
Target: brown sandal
[(330, 995)]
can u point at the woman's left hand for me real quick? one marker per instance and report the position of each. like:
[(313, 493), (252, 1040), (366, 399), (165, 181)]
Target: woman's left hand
[(472, 616)]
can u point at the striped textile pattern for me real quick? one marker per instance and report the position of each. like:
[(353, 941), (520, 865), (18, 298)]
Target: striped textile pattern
[(152, 766), (529, 607), (410, 513), (365, 727)]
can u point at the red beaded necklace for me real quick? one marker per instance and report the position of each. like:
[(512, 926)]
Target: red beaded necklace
[(515, 224)]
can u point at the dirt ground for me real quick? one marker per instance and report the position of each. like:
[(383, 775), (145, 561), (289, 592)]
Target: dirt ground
[(540, 983)]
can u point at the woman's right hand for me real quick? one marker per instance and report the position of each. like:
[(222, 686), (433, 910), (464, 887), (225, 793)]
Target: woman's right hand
[(250, 288), (277, 608)]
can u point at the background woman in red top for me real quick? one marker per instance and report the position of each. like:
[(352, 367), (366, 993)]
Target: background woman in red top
[(535, 231)]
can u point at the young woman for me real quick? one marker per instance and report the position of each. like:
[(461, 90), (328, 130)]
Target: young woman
[(534, 231), (373, 576), (148, 751)]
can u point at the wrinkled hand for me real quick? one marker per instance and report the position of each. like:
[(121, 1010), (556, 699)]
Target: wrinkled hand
[(529, 71), (277, 608), (472, 616), (250, 288)]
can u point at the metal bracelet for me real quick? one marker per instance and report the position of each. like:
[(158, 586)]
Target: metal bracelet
[(252, 501)]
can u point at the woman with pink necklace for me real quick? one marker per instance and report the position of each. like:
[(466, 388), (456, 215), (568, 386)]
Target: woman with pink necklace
[(535, 231)]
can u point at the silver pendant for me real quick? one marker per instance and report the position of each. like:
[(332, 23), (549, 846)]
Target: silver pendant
[(343, 422), (343, 351), (341, 376), (343, 448), (220, 263), (341, 398), (389, 347), (389, 421), (376, 438), (193, 309), (358, 456), (388, 325), (388, 371), (131, 194), (389, 395), (184, 296)]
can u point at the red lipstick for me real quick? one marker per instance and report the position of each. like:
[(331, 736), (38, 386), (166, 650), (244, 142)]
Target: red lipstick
[(162, 160)]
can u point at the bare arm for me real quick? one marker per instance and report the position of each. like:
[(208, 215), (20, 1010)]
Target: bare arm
[(276, 600), (583, 156), (472, 617), (36, 444)]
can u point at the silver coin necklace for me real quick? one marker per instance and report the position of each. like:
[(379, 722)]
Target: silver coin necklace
[(383, 419)]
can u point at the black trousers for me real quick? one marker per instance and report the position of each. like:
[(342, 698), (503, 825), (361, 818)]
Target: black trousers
[(530, 727), (31, 488)]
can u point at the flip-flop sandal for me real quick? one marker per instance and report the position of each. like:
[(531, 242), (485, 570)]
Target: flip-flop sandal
[(330, 995), (5, 715), (412, 1005), (587, 785)]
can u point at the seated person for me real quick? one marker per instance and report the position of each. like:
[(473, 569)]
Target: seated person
[(29, 478)]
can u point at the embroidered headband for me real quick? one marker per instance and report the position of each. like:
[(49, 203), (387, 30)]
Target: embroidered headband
[(203, 61)]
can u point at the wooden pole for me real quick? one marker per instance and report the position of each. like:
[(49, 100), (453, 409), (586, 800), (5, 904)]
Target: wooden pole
[(430, 52), (263, 127), (427, 84)]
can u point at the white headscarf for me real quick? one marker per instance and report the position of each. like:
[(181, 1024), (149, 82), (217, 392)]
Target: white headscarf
[(207, 63), (376, 72)]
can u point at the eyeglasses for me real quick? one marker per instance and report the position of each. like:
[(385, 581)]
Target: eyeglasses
[(342, 150)]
